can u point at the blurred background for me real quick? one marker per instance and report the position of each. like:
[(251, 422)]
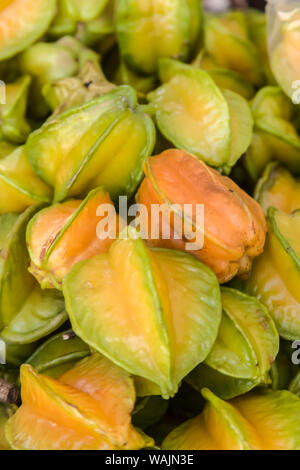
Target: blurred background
[(221, 5)]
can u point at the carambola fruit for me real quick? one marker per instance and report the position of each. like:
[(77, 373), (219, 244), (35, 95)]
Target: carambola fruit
[(87, 408), (20, 187), (155, 313), (195, 115), (285, 55), (6, 148), (275, 136), (149, 30), (13, 124), (102, 143), (22, 22), (246, 347), (262, 420), (234, 225), (278, 188), (61, 235), (226, 39), (27, 313), (274, 278), (58, 354), (224, 77), (88, 21), (85, 11), (46, 62)]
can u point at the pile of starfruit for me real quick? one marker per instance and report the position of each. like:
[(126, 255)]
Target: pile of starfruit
[(149, 226)]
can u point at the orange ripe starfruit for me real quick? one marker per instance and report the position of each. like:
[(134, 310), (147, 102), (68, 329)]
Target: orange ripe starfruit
[(88, 408), (65, 233), (234, 226)]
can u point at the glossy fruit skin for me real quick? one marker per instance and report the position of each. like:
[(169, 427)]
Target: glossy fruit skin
[(284, 52), (27, 313), (58, 354), (51, 63), (28, 27), (275, 273), (246, 347), (102, 126), (88, 21), (177, 326), (14, 126), (275, 134), (13, 266), (278, 188), (61, 235), (46, 62), (149, 30), (19, 185), (193, 113), (262, 420), (6, 148), (227, 252), (88, 408), (227, 41)]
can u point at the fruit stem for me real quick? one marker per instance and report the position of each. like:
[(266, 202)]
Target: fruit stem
[(8, 392)]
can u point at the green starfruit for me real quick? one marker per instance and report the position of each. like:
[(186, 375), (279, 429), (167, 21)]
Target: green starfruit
[(246, 347), (257, 29), (158, 28), (275, 137), (275, 275), (102, 143), (27, 313), (231, 80), (278, 188), (263, 420), (194, 114), (58, 354), (224, 78), (283, 40), (88, 21), (155, 313), (13, 124), (85, 11), (47, 62), (41, 314), (63, 24), (227, 41), (20, 187)]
